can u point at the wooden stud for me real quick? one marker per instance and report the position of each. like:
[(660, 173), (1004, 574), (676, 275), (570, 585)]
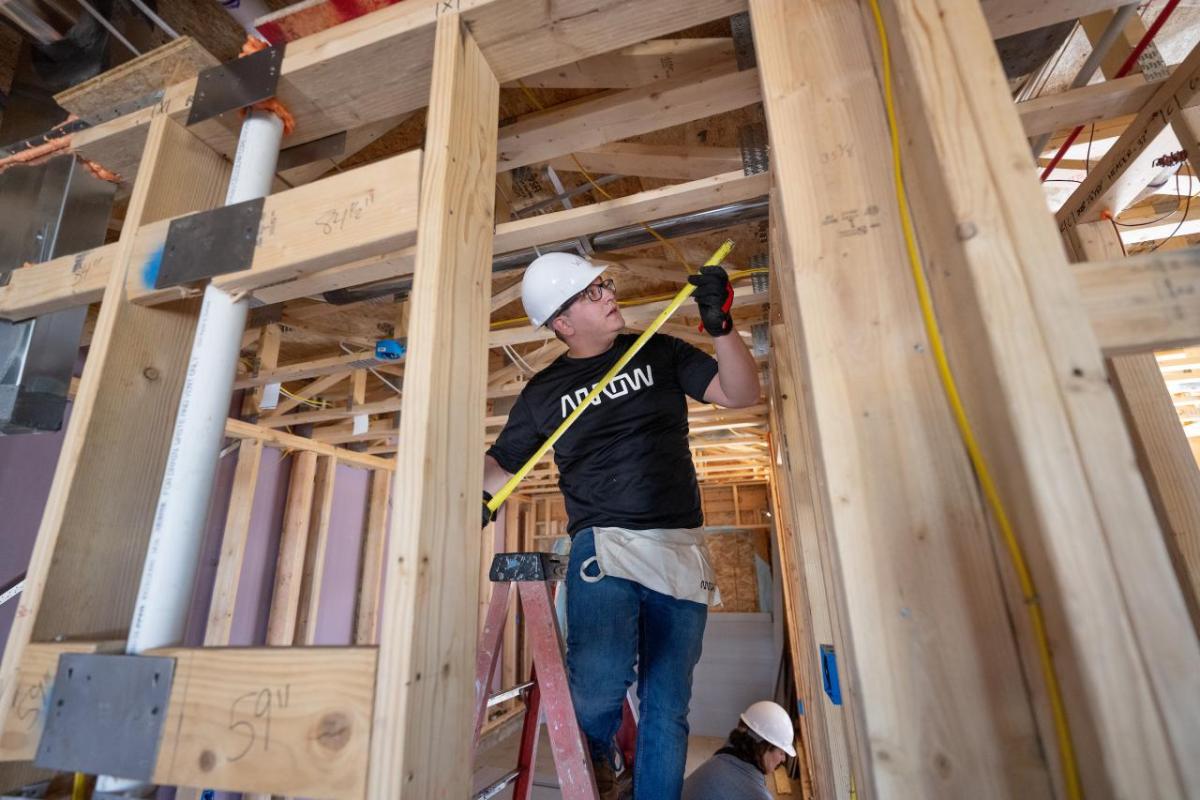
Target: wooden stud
[(233, 544), (293, 542), (424, 691), (315, 552), (268, 358), (98, 514), (370, 584), (914, 575), (1162, 448), (1033, 383)]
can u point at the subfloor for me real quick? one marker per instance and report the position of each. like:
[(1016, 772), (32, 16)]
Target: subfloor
[(500, 756)]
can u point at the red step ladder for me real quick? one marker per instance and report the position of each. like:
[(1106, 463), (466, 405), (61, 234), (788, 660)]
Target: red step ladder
[(547, 692)]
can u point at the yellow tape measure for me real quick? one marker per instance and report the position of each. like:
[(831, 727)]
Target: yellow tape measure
[(684, 293)]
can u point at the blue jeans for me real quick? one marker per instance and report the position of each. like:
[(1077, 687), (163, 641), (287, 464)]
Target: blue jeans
[(611, 625)]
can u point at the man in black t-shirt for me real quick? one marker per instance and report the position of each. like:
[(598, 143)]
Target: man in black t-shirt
[(638, 583)]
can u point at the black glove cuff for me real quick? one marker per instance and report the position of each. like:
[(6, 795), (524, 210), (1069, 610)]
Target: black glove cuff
[(487, 498)]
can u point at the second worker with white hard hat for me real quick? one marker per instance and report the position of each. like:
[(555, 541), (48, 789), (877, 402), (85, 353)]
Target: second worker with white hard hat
[(759, 744)]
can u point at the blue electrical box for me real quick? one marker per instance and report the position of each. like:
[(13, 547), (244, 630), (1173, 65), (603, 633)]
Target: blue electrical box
[(829, 674), (390, 349)]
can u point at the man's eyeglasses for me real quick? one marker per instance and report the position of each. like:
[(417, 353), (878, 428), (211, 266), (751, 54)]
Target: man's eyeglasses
[(593, 292)]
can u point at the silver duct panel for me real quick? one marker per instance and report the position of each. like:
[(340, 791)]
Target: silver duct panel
[(50, 209)]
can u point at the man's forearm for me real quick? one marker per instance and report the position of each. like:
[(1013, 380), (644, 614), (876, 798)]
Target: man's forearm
[(494, 475), (736, 370)]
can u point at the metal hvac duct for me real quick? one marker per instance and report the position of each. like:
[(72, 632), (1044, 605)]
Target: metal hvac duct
[(617, 239), (50, 209)]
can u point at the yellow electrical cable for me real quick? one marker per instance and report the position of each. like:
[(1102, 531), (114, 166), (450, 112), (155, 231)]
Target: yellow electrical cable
[(79, 787), (670, 245), (1028, 591), (684, 294)]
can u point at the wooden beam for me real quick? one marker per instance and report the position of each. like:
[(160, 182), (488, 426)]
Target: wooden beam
[(370, 583), (315, 552), (308, 369), (293, 545), (670, 162), (307, 392), (1093, 103), (653, 204), (903, 508), (1104, 189), (1033, 383), (1010, 17), (356, 214), (310, 417), (1142, 303), (636, 65), (233, 544), (285, 721), (247, 430), (425, 683), (1162, 448), (152, 71), (619, 115), (101, 503), (378, 66)]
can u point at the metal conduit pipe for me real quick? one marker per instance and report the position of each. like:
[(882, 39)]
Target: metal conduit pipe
[(711, 219), (169, 572), (1109, 37)]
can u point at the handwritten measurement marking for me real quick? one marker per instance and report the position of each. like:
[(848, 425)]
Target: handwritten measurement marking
[(29, 700), (337, 219), (247, 719), (854, 222)]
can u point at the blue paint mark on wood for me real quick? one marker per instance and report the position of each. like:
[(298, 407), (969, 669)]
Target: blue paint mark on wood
[(150, 269)]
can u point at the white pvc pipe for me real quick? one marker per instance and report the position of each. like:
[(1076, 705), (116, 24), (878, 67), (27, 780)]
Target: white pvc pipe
[(169, 572), (170, 568)]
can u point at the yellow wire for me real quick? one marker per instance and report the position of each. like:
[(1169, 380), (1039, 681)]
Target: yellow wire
[(666, 242), (684, 293), (79, 787), (1025, 579)]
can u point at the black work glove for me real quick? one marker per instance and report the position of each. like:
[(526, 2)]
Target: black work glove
[(714, 296), (488, 514)]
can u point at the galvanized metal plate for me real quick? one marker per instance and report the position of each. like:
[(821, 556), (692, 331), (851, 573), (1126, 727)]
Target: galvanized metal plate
[(528, 567), (237, 84), (210, 243), (106, 714), (331, 146)]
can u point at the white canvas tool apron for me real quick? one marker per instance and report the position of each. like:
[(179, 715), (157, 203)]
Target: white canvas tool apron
[(671, 561)]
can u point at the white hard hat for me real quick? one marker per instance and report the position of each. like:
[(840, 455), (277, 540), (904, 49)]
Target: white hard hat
[(771, 723), (551, 280)]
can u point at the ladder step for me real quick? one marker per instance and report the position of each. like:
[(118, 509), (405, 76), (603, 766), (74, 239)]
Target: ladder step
[(508, 694), (497, 787)]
